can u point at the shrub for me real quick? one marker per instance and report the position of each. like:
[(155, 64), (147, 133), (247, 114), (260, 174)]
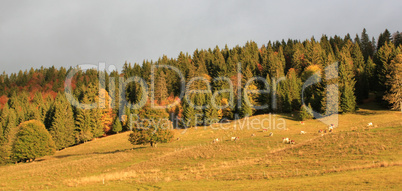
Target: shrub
[(151, 135), (32, 141)]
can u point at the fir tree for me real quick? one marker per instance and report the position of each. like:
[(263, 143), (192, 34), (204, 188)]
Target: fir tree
[(117, 125), (383, 60), (305, 114), (62, 123), (394, 81), (84, 125), (188, 114), (347, 83), (161, 91)]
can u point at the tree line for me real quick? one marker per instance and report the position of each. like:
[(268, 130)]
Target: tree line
[(365, 66)]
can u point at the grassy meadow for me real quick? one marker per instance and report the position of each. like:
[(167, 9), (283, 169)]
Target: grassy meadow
[(353, 157)]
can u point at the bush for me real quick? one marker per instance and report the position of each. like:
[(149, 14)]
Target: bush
[(151, 135), (32, 141)]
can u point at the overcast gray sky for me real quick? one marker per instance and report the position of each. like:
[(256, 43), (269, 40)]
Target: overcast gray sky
[(69, 33)]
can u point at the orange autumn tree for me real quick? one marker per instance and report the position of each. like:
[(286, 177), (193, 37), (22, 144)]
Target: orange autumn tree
[(107, 115)]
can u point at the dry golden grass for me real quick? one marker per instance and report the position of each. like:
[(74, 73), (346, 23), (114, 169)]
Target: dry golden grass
[(113, 163)]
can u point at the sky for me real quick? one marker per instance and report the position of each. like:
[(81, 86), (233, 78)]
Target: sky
[(70, 33)]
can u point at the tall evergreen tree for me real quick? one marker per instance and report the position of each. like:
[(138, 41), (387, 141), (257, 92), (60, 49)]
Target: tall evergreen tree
[(384, 37), (383, 60), (347, 83), (394, 81), (188, 114), (117, 125), (366, 45), (161, 91), (62, 122)]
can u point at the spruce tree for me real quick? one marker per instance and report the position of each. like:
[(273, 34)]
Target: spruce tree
[(367, 46), (384, 37), (161, 91), (347, 83), (383, 60), (62, 122), (97, 125), (84, 125), (117, 125), (305, 114), (394, 81), (188, 114)]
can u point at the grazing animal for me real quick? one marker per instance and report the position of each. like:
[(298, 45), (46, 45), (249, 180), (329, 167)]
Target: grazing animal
[(285, 140), (292, 142), (302, 132), (370, 124), (271, 134), (235, 138), (253, 135)]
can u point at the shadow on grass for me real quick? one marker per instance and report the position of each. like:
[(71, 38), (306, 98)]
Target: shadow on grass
[(99, 153), (372, 106)]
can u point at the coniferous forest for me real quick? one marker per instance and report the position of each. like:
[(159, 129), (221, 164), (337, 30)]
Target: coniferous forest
[(35, 112)]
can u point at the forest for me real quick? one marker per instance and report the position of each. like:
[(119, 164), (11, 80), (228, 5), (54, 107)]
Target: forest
[(369, 69)]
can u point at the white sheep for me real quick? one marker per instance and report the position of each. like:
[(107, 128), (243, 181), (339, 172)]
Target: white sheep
[(302, 132), (370, 124)]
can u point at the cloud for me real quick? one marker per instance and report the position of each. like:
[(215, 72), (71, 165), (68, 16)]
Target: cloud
[(68, 33)]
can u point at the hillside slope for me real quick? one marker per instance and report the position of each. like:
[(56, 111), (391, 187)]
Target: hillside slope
[(354, 155)]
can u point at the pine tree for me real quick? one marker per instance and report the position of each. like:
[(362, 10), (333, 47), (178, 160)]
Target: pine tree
[(39, 103), (83, 125), (394, 81), (304, 113), (188, 114), (346, 83), (384, 37), (97, 125), (383, 60), (362, 83), (62, 123), (161, 91), (397, 38), (245, 110), (117, 125), (366, 45), (369, 71)]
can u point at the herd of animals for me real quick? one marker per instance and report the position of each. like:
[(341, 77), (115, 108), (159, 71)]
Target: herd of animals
[(287, 140)]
